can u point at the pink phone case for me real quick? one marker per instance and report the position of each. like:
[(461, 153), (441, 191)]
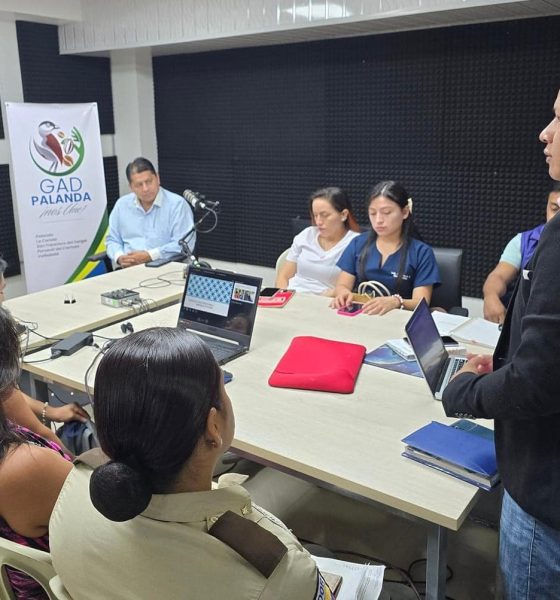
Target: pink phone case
[(344, 312)]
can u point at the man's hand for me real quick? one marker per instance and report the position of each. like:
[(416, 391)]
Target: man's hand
[(138, 257), (494, 310), (477, 364)]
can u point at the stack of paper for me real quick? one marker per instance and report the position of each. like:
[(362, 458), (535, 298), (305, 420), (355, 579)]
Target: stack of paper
[(359, 582)]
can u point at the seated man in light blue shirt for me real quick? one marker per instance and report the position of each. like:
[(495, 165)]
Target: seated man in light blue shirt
[(148, 223)]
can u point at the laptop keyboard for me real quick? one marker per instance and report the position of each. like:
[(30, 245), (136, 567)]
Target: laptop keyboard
[(457, 364), (220, 350)]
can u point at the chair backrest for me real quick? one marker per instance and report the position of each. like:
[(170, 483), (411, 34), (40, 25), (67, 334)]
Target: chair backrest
[(448, 295), (35, 563), (58, 589), (102, 256), (281, 260)]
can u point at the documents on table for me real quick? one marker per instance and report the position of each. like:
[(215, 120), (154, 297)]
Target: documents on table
[(402, 348), (465, 329), (477, 331), (359, 582), (446, 322), (386, 358)]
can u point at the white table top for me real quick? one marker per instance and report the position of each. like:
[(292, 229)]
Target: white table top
[(349, 441), (56, 319)]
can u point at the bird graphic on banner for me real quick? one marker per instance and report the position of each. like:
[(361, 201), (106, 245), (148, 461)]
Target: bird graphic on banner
[(54, 146)]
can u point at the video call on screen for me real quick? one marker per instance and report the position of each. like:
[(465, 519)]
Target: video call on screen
[(218, 302)]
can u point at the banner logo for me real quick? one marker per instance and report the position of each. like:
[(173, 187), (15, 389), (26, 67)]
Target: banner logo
[(54, 152)]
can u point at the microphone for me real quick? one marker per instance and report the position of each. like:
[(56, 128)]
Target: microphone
[(193, 199)]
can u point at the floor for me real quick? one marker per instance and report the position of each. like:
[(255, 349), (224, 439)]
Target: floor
[(349, 528)]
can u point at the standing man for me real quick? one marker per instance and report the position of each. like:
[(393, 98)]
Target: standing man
[(515, 256), (519, 388), (148, 223)]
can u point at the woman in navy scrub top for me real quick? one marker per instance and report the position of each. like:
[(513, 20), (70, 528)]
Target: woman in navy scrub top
[(391, 253)]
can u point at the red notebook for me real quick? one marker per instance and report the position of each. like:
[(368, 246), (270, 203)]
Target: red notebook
[(312, 363), (277, 300)]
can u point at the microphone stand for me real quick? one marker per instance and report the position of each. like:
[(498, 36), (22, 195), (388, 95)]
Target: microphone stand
[(190, 258)]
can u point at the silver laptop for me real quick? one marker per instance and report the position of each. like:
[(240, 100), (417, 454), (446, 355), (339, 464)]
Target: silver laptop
[(220, 308), (436, 364)]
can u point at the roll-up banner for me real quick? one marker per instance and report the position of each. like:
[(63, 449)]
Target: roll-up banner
[(57, 164)]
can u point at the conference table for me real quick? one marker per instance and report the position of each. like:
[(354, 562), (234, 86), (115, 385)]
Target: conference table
[(59, 311), (347, 442)]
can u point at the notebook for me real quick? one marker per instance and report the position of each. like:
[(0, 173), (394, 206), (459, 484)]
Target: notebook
[(437, 365), (220, 308), (467, 455)]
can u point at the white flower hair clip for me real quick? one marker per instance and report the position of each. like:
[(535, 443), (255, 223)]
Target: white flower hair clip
[(409, 204)]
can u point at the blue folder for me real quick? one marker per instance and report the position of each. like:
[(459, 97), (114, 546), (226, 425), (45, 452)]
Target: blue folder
[(463, 454)]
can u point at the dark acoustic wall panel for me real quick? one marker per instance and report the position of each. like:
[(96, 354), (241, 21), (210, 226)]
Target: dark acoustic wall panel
[(8, 243), (110, 167), (453, 113), (48, 76), (214, 179)]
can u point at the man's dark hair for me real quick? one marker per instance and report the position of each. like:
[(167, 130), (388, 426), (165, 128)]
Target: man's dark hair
[(139, 165)]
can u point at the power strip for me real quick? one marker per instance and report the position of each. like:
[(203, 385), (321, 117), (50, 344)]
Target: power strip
[(121, 297), (72, 343)]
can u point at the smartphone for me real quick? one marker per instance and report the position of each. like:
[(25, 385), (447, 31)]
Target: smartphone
[(269, 291), (350, 311), (227, 376), (449, 341)]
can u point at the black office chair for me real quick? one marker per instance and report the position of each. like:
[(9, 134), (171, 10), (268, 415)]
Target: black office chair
[(102, 256), (448, 295)]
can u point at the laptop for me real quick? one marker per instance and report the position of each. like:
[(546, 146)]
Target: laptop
[(220, 308), (436, 364)]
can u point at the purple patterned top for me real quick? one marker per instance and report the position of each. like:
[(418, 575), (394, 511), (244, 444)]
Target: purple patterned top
[(25, 587)]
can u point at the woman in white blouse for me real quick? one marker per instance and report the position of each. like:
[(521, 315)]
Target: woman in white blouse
[(311, 262)]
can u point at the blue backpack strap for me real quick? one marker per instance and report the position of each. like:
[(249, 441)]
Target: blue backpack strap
[(529, 241)]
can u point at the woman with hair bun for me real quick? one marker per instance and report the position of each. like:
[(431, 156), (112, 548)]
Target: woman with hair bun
[(392, 257), (146, 518)]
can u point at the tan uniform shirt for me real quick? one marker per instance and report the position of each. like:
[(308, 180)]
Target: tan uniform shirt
[(167, 552)]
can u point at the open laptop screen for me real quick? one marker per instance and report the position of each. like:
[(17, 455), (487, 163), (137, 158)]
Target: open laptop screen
[(218, 300), (427, 344)]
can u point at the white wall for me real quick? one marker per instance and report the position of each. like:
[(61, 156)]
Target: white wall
[(114, 24), (10, 91), (133, 108), (43, 11)]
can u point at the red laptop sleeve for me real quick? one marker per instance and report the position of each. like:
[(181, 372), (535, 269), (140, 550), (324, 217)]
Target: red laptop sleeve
[(312, 363)]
